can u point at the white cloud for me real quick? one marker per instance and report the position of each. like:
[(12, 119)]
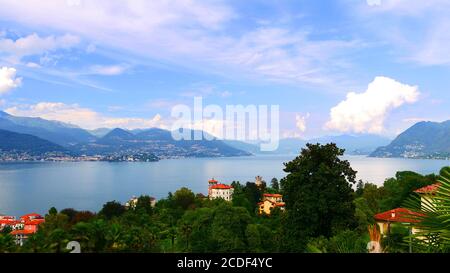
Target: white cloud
[(108, 70), (33, 44), (373, 2), (8, 79), (300, 122), (191, 34), (366, 112), (83, 117), (426, 43), (226, 94), (33, 65)]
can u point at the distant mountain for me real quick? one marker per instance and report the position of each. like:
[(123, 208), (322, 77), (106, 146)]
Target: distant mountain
[(100, 132), (422, 140), (361, 144), (115, 136), (158, 142), (244, 146), (353, 144), (53, 131), (23, 143)]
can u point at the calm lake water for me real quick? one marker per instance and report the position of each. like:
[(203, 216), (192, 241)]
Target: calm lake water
[(35, 187)]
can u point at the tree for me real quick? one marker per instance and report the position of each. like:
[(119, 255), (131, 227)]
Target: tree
[(253, 194), (194, 231), (112, 209), (347, 241), (144, 203), (359, 188), (82, 216), (70, 213), (398, 189), (228, 228), (52, 211), (58, 239), (373, 195), (7, 243), (318, 195), (274, 184), (185, 230), (184, 198), (363, 214)]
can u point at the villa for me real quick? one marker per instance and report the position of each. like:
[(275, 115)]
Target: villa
[(134, 200), (217, 190), (21, 229), (403, 215), (269, 202)]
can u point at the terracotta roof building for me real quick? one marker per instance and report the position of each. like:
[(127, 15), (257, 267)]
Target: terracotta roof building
[(269, 202), (430, 189), (217, 190)]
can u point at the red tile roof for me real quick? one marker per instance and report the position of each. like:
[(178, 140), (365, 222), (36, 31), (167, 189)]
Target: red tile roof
[(22, 232), (273, 195), (221, 187), (400, 215), (31, 216), (429, 189), (34, 222), (213, 181), (4, 217), (9, 222)]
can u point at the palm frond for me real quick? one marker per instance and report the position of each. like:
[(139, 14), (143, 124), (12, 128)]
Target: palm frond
[(433, 217)]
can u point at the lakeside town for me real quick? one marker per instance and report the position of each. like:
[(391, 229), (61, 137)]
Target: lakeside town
[(62, 157)]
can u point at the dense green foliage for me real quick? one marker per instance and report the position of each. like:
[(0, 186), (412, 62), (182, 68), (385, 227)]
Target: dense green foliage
[(318, 195)]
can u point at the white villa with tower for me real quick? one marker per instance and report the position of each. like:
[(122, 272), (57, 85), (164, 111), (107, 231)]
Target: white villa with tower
[(217, 190)]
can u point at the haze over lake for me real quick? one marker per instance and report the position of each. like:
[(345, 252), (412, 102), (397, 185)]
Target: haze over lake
[(35, 187)]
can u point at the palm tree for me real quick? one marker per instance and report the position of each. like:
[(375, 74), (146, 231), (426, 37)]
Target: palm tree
[(58, 239), (114, 236), (433, 228)]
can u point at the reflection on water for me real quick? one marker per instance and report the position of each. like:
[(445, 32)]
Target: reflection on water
[(35, 187)]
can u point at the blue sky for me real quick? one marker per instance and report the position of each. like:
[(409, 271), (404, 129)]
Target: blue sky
[(126, 63)]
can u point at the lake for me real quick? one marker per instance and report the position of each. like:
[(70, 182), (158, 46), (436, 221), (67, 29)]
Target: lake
[(35, 187)]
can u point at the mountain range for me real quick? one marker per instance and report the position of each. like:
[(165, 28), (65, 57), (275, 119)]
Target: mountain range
[(54, 131), (22, 143), (362, 144), (60, 136), (158, 142), (423, 140), (37, 135)]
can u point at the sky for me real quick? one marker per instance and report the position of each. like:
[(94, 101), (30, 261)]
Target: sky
[(333, 67)]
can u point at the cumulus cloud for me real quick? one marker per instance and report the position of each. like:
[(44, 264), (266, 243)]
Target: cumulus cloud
[(83, 117), (33, 44), (8, 79), (300, 122), (366, 112)]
